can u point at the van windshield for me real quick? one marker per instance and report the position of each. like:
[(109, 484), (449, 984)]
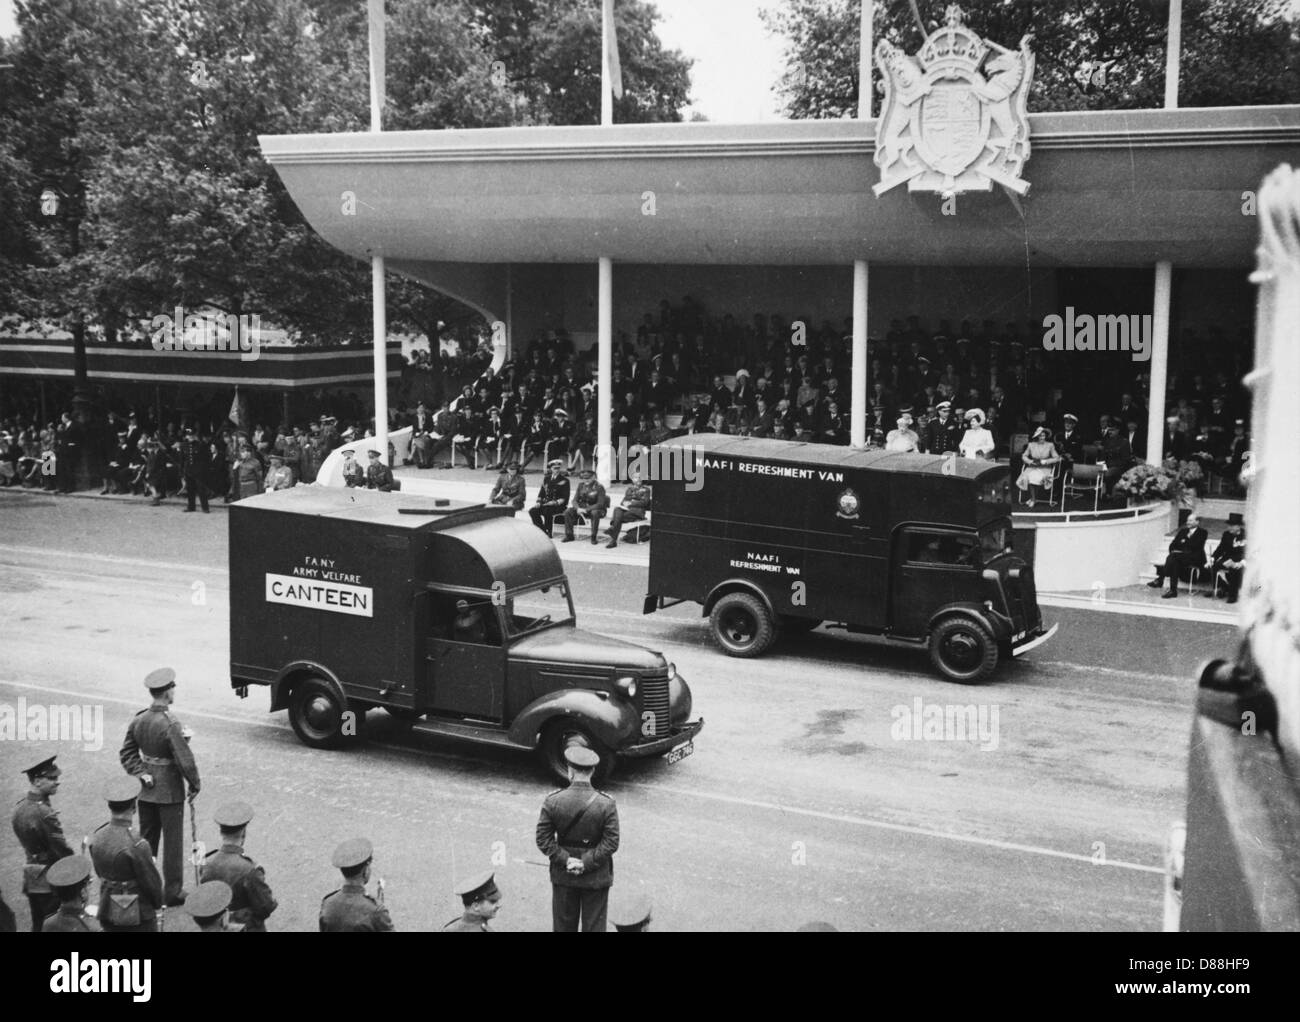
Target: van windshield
[(539, 608)]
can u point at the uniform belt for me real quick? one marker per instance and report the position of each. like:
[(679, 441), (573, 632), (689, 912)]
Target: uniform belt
[(155, 760), (123, 886)]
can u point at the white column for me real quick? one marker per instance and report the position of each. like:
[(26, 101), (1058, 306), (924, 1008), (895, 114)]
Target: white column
[(510, 310), (865, 61), (381, 354), (858, 386), (604, 370), (1159, 362), (1173, 53)]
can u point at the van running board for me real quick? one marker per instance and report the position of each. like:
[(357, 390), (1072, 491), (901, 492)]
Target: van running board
[(461, 729)]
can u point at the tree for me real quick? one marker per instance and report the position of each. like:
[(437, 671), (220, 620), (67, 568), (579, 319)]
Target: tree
[(1092, 55)]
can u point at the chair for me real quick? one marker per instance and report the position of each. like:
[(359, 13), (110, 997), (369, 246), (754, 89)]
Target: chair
[(1084, 479), (1090, 453), (637, 532), (1051, 485), (1019, 441), (459, 441)]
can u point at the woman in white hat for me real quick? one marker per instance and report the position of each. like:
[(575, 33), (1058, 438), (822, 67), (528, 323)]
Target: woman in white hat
[(903, 438), (1040, 460), (977, 441)]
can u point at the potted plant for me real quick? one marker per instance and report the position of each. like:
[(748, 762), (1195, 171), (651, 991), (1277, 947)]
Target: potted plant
[(1144, 483)]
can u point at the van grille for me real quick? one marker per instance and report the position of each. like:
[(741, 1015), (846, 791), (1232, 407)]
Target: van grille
[(654, 699)]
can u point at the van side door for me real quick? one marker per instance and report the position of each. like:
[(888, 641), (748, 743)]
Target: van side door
[(932, 567), (465, 658)]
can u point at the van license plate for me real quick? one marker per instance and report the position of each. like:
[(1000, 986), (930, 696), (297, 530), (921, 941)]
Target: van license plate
[(681, 752)]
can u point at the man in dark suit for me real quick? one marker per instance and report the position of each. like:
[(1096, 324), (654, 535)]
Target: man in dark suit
[(1177, 443), (1135, 434), (552, 498), (1229, 556), (156, 749), (578, 832), (1186, 551)]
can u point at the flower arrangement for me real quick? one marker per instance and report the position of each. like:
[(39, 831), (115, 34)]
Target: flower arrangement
[(1150, 482), (1189, 473)]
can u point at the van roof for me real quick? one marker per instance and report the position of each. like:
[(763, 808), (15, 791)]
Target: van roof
[(833, 455), (372, 506)]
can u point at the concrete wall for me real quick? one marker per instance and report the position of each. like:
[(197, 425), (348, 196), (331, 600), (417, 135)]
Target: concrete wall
[(1077, 555)]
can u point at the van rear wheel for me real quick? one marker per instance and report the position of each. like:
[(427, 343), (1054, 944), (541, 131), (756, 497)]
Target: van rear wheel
[(963, 650), (319, 718), (742, 625), (558, 736)]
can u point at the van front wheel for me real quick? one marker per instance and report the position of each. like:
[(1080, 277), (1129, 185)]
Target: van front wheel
[(963, 650), (319, 717), (742, 626), (558, 736)]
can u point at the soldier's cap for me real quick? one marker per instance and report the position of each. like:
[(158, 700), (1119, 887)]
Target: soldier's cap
[(587, 387), (581, 757), (942, 405), (817, 926), (233, 815), (348, 452), (587, 473), (631, 914), (69, 871), (1239, 422), (555, 463), (476, 887), (210, 900), (45, 768), (278, 457), (122, 791), (352, 853), (561, 412), (922, 358), (372, 453), (1074, 418), (512, 464), (160, 680)]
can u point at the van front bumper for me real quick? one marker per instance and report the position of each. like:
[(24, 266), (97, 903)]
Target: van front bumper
[(1033, 641), (659, 746)]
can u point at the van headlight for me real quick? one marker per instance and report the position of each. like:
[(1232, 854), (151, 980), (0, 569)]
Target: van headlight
[(672, 670), (627, 686)]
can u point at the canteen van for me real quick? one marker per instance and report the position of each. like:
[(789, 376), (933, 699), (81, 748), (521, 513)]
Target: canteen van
[(450, 614), (774, 536)]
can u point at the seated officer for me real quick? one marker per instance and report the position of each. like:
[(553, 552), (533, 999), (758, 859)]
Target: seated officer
[(69, 878), (482, 900)]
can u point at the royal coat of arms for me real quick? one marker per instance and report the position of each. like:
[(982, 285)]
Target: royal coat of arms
[(954, 117)]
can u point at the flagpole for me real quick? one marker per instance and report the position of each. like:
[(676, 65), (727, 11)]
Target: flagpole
[(378, 298), (606, 84), (605, 276)]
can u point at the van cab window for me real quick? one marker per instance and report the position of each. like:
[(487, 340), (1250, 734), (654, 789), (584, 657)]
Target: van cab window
[(538, 608), (942, 548), (465, 619)]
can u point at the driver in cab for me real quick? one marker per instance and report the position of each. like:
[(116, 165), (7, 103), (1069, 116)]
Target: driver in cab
[(469, 624)]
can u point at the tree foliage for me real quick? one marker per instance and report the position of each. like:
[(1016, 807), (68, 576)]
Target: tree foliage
[(1090, 54)]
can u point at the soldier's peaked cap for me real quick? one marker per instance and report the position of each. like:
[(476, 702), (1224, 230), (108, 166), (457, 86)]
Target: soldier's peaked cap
[(210, 900), (355, 852), (632, 913), (69, 871), (42, 769), (480, 885), (122, 790), (233, 815), (160, 679), (581, 756)]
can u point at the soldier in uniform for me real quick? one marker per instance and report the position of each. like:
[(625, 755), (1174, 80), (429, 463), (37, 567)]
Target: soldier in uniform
[(70, 877), (37, 827), (350, 909), (632, 916), (942, 434), (591, 500), (482, 900), (208, 907), (578, 832), (378, 475), (191, 456), (353, 474), (156, 749), (130, 889), (510, 490), (552, 498), (251, 901), (280, 477), (636, 502)]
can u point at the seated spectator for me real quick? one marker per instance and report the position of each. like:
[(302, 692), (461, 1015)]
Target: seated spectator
[(589, 499), (280, 476), (353, 474), (833, 427), (118, 473), (1040, 459), (1116, 454), (1186, 552), (552, 497), (378, 475), (636, 502), (977, 442), (538, 436), (510, 490), (1229, 557)]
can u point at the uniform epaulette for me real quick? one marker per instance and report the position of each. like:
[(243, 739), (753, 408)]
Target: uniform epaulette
[(212, 853), (145, 710), (248, 858), (103, 825), (452, 922), (328, 896)]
